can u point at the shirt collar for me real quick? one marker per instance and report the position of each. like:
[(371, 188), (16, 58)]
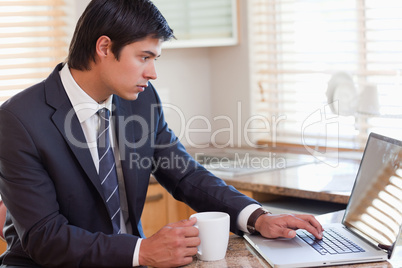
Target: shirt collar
[(84, 106)]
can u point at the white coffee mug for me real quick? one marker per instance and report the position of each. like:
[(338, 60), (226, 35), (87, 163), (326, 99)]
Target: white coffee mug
[(214, 235)]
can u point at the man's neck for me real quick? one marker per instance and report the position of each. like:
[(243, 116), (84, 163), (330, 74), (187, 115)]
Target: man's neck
[(90, 82)]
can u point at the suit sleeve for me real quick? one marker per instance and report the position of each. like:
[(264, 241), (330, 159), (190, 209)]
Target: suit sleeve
[(190, 182)]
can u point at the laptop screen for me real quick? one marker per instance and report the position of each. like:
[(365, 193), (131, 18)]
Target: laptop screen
[(374, 210)]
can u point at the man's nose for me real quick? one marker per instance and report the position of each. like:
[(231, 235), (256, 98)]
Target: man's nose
[(150, 71)]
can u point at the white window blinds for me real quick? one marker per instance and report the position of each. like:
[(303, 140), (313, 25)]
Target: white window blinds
[(32, 41), (200, 22), (297, 46)]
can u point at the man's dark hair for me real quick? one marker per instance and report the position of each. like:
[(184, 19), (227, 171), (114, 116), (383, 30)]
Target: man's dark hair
[(123, 21)]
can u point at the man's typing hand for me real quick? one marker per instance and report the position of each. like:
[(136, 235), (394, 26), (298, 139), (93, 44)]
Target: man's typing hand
[(284, 225), (174, 245)]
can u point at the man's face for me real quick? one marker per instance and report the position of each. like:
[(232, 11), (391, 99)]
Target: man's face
[(128, 76)]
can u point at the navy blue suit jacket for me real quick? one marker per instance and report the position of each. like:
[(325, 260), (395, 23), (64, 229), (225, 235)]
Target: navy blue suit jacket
[(57, 216)]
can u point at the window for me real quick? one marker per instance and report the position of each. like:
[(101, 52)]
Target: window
[(297, 46), (33, 37), (199, 23)]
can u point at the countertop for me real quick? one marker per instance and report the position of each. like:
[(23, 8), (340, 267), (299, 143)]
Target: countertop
[(316, 181), (285, 174)]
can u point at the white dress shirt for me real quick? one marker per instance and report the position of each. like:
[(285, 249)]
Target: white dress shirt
[(86, 110)]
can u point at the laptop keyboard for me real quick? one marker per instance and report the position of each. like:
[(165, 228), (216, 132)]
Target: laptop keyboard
[(331, 243)]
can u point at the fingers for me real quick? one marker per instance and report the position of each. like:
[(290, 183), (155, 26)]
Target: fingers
[(173, 245), (289, 233), (284, 225), (310, 224), (187, 227), (184, 223)]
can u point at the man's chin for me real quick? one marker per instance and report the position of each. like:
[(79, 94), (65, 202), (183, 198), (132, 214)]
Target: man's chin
[(130, 97)]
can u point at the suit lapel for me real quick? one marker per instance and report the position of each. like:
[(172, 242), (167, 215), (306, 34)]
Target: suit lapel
[(125, 137), (125, 134), (67, 122)]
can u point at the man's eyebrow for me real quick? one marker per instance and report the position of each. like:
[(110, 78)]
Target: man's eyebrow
[(151, 54)]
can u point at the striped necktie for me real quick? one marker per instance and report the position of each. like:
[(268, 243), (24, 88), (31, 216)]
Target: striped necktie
[(107, 170)]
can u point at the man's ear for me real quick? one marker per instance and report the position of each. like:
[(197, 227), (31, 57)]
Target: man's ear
[(103, 46)]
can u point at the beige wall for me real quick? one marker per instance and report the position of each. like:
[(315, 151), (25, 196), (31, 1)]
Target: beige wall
[(203, 83), (230, 80)]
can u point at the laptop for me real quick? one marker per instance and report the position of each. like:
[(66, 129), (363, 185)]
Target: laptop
[(371, 224)]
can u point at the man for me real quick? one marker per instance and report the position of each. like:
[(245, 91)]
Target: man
[(51, 169)]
